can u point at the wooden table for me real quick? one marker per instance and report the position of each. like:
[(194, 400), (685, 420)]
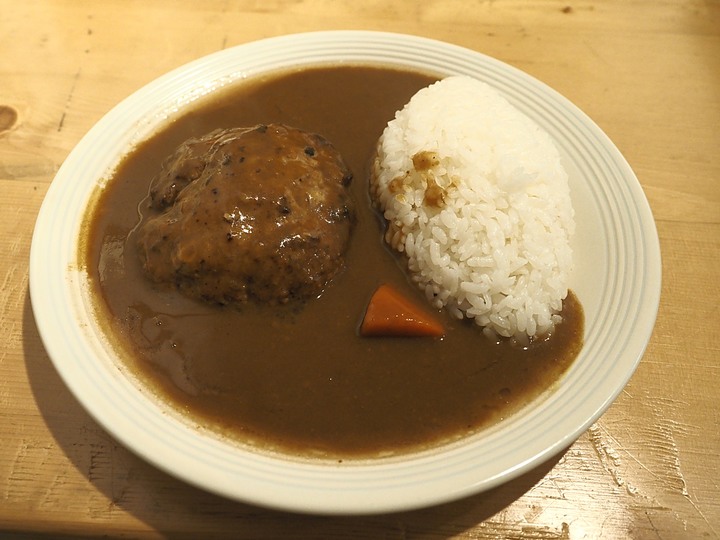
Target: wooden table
[(648, 72)]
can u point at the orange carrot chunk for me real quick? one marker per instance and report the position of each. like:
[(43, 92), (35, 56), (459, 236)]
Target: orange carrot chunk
[(391, 314)]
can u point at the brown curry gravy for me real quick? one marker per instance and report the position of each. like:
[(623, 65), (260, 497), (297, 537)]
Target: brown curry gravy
[(301, 380)]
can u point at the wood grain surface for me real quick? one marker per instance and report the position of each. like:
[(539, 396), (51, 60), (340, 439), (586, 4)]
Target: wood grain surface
[(648, 72)]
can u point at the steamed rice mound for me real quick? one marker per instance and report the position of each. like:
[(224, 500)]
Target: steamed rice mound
[(476, 197)]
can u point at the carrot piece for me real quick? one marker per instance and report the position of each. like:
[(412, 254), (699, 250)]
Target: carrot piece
[(389, 313)]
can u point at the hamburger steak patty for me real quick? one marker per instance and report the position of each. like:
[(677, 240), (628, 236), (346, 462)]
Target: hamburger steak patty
[(260, 213)]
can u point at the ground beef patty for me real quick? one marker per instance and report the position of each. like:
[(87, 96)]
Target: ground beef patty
[(259, 213)]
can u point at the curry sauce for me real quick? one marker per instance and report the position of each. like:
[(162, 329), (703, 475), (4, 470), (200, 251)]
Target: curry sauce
[(299, 378)]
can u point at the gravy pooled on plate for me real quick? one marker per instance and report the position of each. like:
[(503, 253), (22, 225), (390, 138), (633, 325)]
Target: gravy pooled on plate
[(298, 378)]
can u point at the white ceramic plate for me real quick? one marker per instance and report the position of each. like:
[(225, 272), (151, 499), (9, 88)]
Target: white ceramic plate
[(617, 279)]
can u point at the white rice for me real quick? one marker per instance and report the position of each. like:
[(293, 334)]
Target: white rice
[(486, 228)]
